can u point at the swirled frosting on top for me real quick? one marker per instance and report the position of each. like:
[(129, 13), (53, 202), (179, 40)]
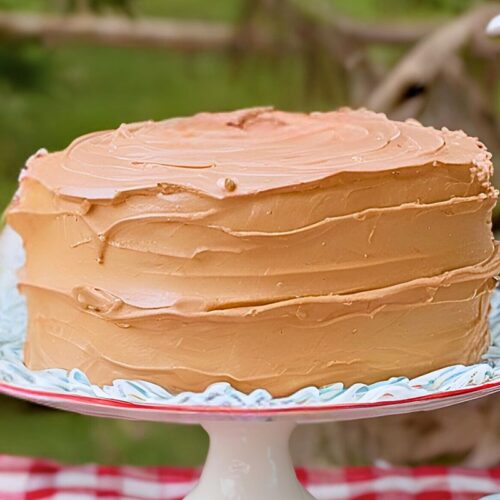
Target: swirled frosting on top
[(264, 248), (246, 151)]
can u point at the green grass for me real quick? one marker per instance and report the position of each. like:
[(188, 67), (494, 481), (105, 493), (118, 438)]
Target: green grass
[(402, 9), (31, 430), (229, 10), (210, 10)]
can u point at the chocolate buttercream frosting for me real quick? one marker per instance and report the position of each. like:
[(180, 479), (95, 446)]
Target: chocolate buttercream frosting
[(264, 248)]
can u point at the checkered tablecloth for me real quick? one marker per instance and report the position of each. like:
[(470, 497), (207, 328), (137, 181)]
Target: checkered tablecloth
[(28, 479)]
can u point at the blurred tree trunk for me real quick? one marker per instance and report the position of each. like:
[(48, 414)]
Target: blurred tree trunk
[(467, 434)]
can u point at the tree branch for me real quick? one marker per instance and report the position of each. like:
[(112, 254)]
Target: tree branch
[(204, 35), (424, 62), (117, 31), (380, 32)]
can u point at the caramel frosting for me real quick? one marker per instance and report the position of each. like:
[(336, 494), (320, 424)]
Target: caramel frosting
[(266, 248), (246, 152)]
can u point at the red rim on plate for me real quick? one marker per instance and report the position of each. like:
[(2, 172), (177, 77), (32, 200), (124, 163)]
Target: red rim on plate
[(12, 390)]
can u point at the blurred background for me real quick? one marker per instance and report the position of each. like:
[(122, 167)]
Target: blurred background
[(68, 67)]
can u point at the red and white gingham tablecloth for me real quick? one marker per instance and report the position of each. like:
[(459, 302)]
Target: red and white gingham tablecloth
[(30, 478)]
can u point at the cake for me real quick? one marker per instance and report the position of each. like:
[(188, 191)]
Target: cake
[(263, 248)]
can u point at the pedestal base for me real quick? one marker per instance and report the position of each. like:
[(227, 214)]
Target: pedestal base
[(249, 461)]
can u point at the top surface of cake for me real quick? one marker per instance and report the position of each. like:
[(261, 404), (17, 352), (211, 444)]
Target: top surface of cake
[(247, 151)]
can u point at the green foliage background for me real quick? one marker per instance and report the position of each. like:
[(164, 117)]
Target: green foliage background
[(50, 95)]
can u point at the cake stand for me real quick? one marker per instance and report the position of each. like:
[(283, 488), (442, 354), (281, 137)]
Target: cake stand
[(249, 455)]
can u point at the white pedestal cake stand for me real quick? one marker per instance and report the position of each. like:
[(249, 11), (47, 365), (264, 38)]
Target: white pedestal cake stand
[(249, 457)]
